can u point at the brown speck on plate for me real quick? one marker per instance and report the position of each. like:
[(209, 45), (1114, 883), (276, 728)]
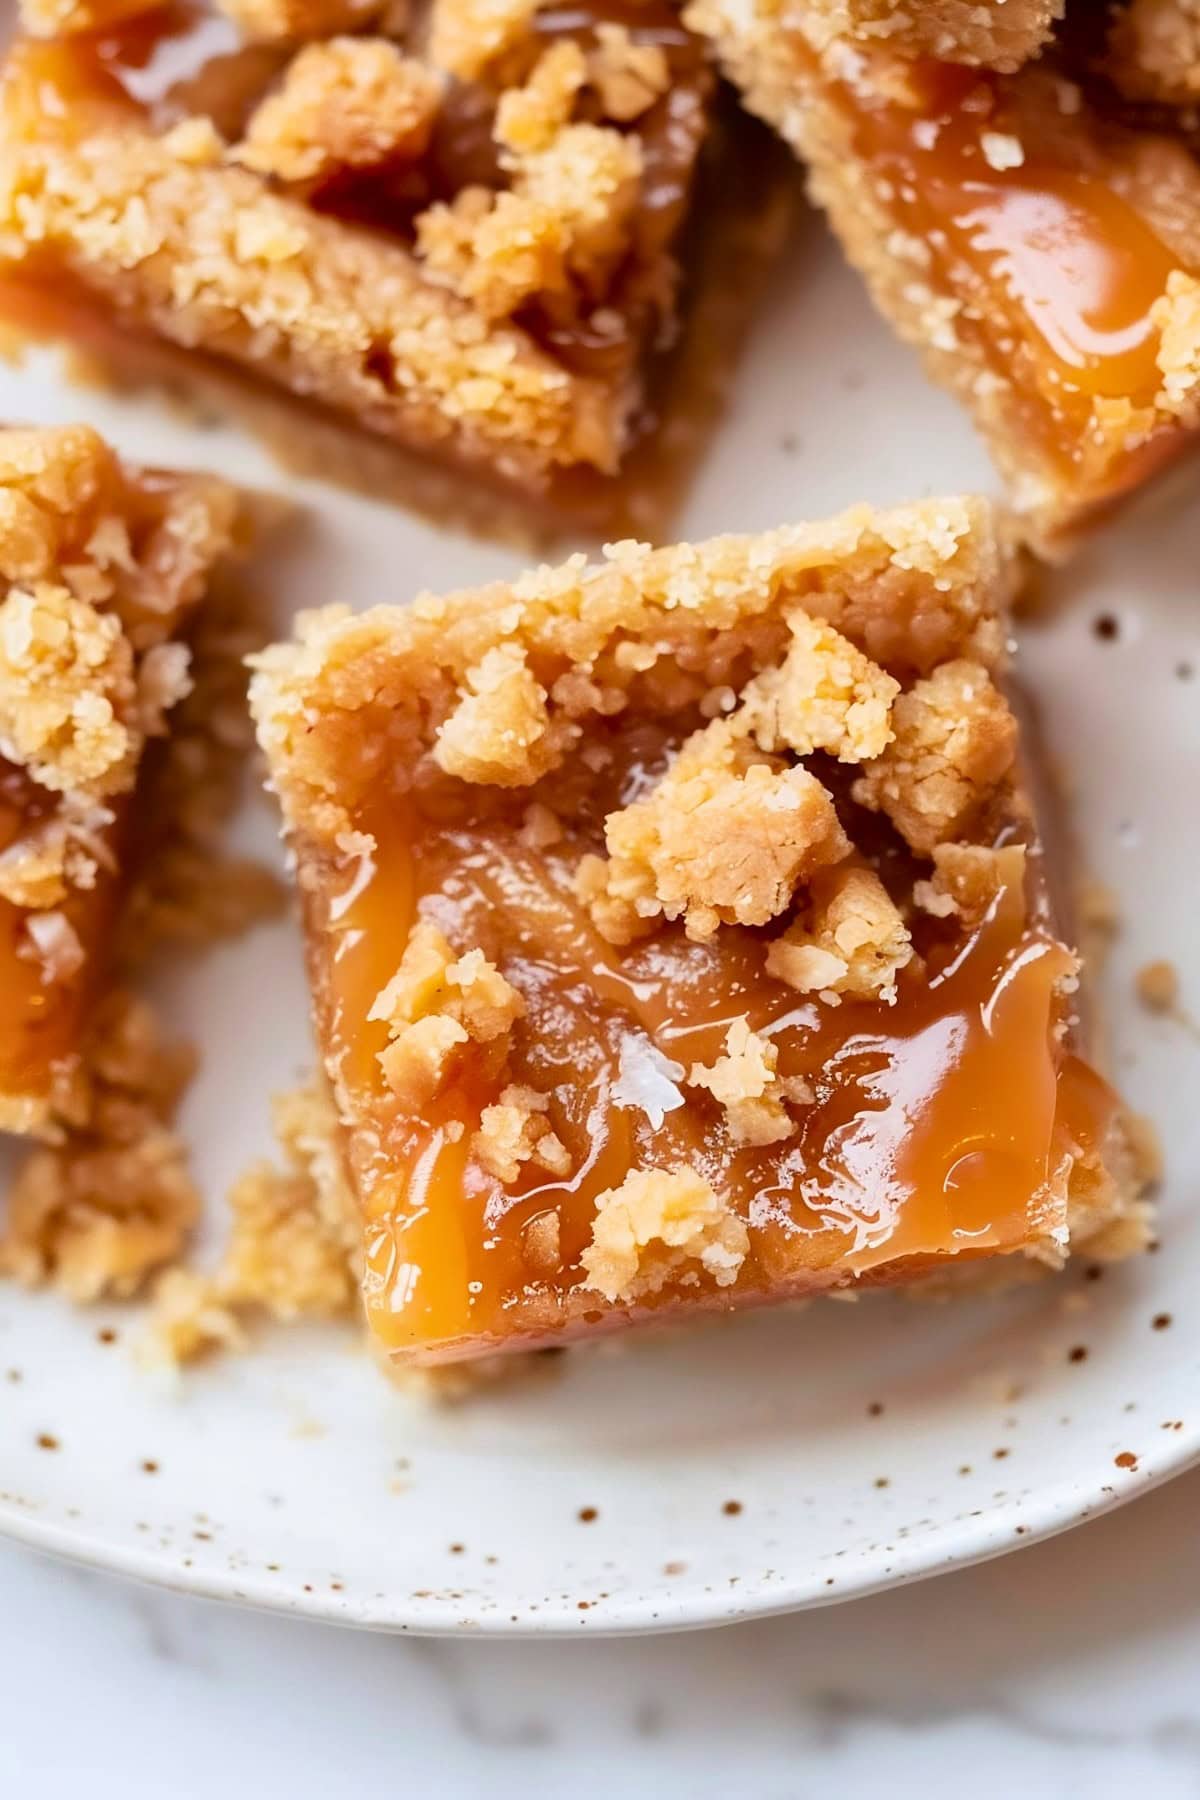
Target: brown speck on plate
[(1078, 1354), (731, 1508), (586, 1514), (45, 1441), (1160, 1321), (1126, 1460)]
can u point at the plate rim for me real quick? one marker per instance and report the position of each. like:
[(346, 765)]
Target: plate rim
[(960, 1544)]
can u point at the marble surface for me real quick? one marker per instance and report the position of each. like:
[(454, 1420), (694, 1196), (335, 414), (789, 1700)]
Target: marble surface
[(1071, 1668)]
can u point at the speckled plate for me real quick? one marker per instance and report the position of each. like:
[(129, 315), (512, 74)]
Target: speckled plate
[(779, 1461)]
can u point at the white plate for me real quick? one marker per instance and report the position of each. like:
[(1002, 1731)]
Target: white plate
[(748, 1467)]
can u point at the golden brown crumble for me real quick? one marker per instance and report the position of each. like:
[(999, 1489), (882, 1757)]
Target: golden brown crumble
[(849, 939), (528, 118), (514, 1132), (499, 733), (966, 879), (824, 695), (1154, 51), (567, 217), (433, 1005), (294, 1249), (348, 103), (725, 837), (208, 255), (955, 741), (67, 692), (658, 1223), (1158, 986), (96, 1215), (628, 77), (1177, 316), (999, 34), (467, 37), (744, 1081)]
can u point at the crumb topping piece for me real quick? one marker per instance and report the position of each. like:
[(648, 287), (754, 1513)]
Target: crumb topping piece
[(514, 1131), (726, 837), (850, 939), (66, 678), (466, 37), (95, 1215), (745, 1082), (294, 1247), (659, 1226), (954, 742), (347, 103), (1154, 51), (966, 879), (565, 219), (433, 1005), (1177, 316), (824, 695), (628, 77), (499, 733)]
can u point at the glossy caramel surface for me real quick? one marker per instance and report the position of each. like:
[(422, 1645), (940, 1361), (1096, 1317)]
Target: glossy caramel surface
[(42, 1010), (936, 1124), (1057, 268)]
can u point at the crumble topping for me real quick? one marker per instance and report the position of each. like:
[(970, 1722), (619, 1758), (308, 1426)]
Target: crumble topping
[(825, 695), (966, 879), (954, 742), (850, 939), (1177, 316), (1154, 51), (348, 103), (726, 836), (529, 118), (744, 1081), (467, 37), (911, 588), (566, 218), (499, 733), (96, 1215), (658, 1223), (432, 1006), (66, 677), (628, 77), (514, 1131), (294, 1248)]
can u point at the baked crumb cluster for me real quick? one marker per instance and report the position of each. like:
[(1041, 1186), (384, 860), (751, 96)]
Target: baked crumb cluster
[(466, 245), (823, 758), (101, 566), (925, 168), (998, 34)]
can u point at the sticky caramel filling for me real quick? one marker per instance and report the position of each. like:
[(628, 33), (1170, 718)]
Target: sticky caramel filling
[(43, 1000), (1056, 269), (187, 61), (936, 1125)]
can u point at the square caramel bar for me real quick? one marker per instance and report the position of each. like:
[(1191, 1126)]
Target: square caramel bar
[(680, 935), (101, 566), (460, 234), (1036, 235)]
